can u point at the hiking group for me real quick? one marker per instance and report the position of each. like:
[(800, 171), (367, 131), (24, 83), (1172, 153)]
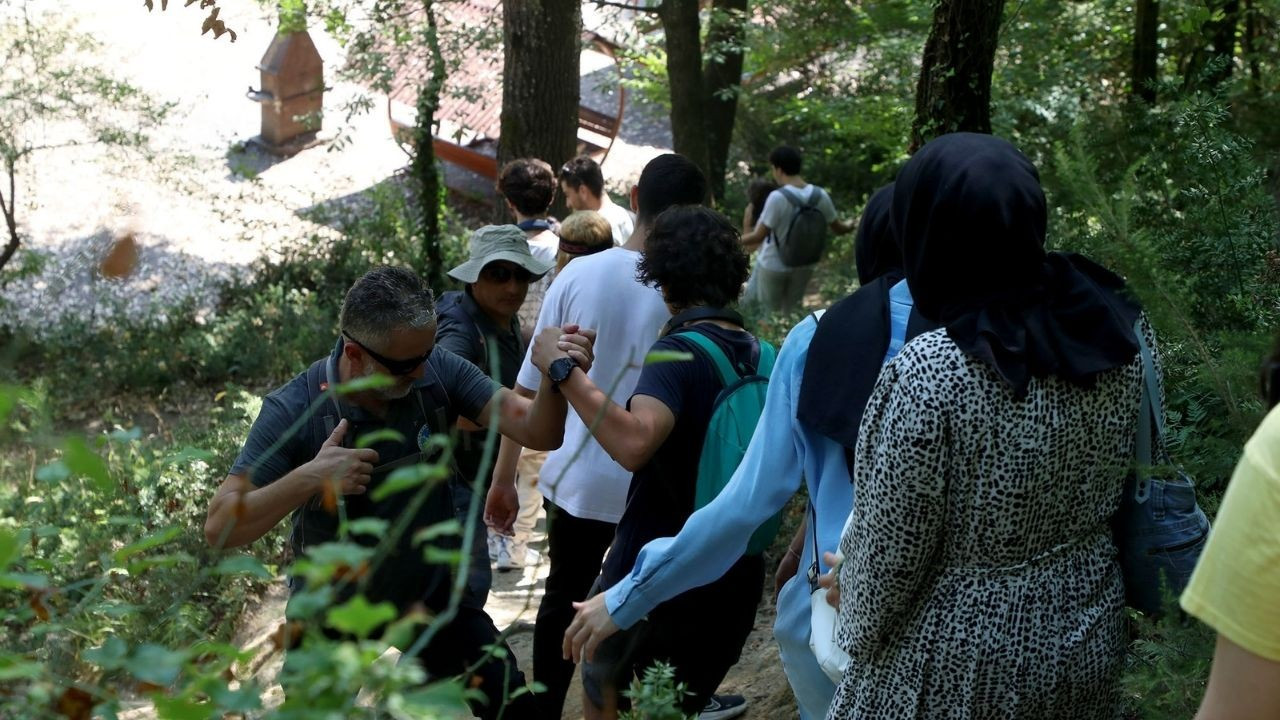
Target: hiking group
[(976, 428)]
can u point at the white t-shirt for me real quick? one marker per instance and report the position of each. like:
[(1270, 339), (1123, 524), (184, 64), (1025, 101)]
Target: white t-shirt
[(544, 247), (777, 216), (622, 220), (598, 292)]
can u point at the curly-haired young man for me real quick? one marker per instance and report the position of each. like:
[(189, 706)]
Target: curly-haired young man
[(694, 258)]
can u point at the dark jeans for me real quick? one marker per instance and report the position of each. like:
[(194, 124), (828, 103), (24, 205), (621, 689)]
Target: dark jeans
[(480, 574), (460, 645), (699, 633), (575, 547)]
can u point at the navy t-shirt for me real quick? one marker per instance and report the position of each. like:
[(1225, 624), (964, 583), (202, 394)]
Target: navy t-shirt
[(661, 494)]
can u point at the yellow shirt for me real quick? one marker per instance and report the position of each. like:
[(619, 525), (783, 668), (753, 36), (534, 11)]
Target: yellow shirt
[(1236, 585)]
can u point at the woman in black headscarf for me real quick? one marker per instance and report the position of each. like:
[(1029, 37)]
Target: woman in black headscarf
[(980, 578)]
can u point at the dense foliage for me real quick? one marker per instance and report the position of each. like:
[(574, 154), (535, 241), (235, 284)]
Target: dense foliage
[(112, 440)]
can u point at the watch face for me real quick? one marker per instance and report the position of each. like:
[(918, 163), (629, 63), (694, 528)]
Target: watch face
[(560, 369)]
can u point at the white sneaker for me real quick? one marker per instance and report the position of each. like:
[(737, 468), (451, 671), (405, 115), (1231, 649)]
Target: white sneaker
[(505, 561), (494, 544)]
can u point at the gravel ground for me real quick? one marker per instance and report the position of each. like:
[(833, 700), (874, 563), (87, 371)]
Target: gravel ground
[(202, 208)]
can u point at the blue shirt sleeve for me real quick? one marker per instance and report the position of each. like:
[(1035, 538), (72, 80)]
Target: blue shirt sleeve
[(715, 536)]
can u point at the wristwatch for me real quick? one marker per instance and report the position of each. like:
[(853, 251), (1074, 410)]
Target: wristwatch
[(560, 370)]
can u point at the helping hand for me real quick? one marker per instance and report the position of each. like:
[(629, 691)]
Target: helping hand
[(831, 580), (501, 506), (590, 627)]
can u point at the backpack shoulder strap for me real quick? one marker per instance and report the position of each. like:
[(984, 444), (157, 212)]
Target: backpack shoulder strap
[(326, 417), (815, 197), (728, 375), (792, 195), (768, 355)]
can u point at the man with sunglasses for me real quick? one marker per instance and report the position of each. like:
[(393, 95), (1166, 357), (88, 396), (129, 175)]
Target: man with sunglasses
[(479, 324), (320, 455)]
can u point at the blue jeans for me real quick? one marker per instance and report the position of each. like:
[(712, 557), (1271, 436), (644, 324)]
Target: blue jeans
[(1159, 539)]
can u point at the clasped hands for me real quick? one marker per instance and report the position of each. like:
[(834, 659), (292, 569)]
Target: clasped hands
[(571, 341)]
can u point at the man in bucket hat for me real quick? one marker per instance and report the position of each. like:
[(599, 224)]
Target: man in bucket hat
[(474, 323)]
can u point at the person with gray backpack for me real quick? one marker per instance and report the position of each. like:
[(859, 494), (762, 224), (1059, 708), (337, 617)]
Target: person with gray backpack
[(791, 235)]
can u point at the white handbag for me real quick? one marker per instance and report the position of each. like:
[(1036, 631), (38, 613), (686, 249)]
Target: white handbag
[(824, 619)]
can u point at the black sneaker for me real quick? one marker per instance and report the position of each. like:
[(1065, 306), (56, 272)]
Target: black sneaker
[(723, 707)]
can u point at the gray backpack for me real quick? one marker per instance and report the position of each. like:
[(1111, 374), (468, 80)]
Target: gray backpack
[(806, 238)]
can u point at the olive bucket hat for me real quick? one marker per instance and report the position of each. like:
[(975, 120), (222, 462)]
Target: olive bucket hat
[(492, 243)]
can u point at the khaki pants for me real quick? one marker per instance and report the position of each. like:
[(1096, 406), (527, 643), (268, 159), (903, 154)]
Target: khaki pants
[(527, 470)]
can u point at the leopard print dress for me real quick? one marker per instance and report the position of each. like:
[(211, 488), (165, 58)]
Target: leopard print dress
[(980, 578)]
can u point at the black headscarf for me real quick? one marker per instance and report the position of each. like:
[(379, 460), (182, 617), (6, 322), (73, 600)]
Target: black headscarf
[(874, 248), (970, 214), (848, 348)]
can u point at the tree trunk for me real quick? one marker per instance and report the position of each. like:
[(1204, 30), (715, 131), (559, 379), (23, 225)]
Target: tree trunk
[(1221, 35), (681, 28), (540, 82), (10, 211), (1146, 49), (954, 91), (1249, 48), (424, 175), (722, 74)]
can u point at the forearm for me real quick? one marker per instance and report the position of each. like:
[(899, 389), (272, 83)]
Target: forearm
[(542, 424), (797, 542), (239, 517), (504, 467), (619, 432)]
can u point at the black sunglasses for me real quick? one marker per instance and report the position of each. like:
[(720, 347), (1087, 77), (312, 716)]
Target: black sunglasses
[(395, 367), (501, 274)]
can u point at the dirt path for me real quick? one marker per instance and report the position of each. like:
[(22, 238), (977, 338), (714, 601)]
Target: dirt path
[(514, 602)]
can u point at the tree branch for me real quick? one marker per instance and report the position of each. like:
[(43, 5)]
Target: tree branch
[(625, 6), (10, 210)]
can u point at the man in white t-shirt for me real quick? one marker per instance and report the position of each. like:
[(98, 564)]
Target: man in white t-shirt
[(529, 186), (585, 490), (583, 188), (774, 284)]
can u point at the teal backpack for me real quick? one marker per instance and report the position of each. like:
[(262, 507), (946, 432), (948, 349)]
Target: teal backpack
[(734, 416)]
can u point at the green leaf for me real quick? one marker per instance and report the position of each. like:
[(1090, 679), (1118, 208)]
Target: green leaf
[(110, 655), (433, 554), (440, 699), (243, 700), (154, 540), (18, 581), (189, 454), (8, 398), (9, 550), (125, 437), (662, 356), (169, 708), (369, 382), (305, 604), (81, 460), (155, 664), (368, 526), (167, 560), (440, 529), (242, 565), (56, 471), (15, 667), (377, 436), (406, 478), (358, 617)]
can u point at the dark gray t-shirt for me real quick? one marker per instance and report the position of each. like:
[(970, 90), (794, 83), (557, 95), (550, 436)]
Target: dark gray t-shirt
[(271, 452), (284, 437)]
